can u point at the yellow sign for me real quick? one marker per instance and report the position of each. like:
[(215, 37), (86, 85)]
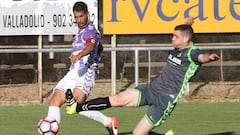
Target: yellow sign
[(161, 16)]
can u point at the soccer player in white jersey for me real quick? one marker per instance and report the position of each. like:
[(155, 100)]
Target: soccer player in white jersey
[(84, 57)]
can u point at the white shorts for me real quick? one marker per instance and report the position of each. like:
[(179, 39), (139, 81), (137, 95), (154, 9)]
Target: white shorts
[(82, 78)]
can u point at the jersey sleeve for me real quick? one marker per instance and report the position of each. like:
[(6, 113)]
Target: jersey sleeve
[(90, 37), (194, 55)]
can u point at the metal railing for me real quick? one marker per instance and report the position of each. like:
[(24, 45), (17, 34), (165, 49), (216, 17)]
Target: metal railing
[(121, 47)]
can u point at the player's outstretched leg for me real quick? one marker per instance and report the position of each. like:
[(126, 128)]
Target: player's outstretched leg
[(96, 104)]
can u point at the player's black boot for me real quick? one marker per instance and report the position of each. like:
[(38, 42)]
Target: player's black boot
[(69, 97)]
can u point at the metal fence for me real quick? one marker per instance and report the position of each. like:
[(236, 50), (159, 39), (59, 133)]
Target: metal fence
[(113, 49)]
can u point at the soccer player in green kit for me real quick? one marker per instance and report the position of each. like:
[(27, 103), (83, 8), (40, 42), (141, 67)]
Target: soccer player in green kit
[(162, 93)]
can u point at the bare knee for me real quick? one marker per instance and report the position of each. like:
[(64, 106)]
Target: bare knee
[(135, 132), (142, 128), (138, 132)]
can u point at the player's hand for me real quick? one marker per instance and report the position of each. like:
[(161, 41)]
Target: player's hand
[(73, 58), (204, 58), (214, 57), (189, 20)]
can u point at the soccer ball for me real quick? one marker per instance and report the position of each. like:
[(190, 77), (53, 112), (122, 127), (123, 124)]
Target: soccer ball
[(48, 126)]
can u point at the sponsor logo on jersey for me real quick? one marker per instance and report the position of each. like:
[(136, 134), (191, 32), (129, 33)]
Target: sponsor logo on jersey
[(174, 60)]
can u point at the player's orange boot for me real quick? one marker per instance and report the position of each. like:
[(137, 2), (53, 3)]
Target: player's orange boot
[(112, 127)]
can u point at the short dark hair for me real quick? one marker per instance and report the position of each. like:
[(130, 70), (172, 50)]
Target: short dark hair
[(185, 28), (80, 6)]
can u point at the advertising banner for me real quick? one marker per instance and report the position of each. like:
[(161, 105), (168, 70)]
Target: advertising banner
[(43, 17), (161, 16)]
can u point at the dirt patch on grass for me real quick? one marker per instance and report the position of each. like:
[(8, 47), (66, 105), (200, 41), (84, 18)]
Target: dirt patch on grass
[(209, 92)]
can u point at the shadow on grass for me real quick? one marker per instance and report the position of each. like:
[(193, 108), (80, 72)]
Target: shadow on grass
[(225, 133), (125, 133), (154, 133), (130, 133)]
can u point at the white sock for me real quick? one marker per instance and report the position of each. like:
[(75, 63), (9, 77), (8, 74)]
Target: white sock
[(54, 112), (97, 116)]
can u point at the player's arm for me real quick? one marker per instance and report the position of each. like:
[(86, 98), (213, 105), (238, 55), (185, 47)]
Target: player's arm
[(90, 44), (204, 58)]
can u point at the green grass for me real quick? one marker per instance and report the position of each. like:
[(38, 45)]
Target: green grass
[(186, 119)]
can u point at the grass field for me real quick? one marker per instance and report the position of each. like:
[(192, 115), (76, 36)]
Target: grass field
[(186, 119)]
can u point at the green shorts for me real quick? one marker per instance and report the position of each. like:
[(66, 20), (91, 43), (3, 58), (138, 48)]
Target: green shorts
[(160, 106)]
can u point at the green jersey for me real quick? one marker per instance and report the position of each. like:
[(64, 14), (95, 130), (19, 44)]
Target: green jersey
[(163, 92)]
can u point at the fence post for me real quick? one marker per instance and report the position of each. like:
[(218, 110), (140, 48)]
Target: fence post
[(136, 67), (221, 65), (113, 63), (40, 69), (149, 66)]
